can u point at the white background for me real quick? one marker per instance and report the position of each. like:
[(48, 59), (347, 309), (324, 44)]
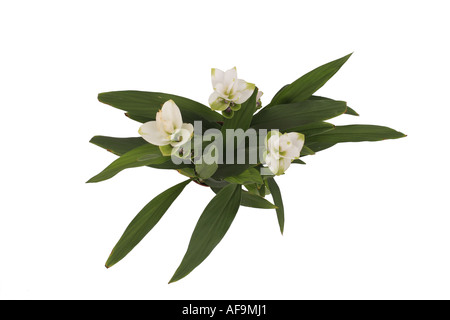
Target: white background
[(363, 221)]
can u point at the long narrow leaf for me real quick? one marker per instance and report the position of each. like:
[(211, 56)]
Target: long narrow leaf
[(352, 133), (275, 97), (304, 87), (205, 170), (278, 201), (298, 161), (287, 116), (118, 146), (137, 118), (147, 104), (357, 133), (306, 151), (250, 175), (313, 128), (254, 201), (251, 200), (141, 156), (145, 220), (210, 229), (349, 110)]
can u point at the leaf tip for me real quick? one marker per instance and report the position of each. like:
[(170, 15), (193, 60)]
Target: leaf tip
[(172, 280), (110, 263), (351, 112), (91, 180), (400, 135), (100, 95), (94, 140)]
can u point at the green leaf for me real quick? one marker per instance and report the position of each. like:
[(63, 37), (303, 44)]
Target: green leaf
[(188, 172), (263, 190), (243, 156), (250, 175), (312, 129), (228, 170), (252, 200), (145, 220), (303, 88), (210, 229), (276, 194), (298, 161), (275, 97), (306, 151), (352, 133), (147, 104), (349, 110), (137, 118), (260, 189), (204, 170), (219, 184), (252, 188), (118, 146), (288, 116), (141, 156), (255, 201), (320, 146), (166, 150), (207, 165), (243, 118), (170, 165)]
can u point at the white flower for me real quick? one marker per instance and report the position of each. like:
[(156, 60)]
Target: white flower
[(229, 91), (281, 149), (168, 129), (258, 99)]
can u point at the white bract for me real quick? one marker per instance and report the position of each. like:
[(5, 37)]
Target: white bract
[(282, 149), (168, 129), (229, 91), (258, 99)]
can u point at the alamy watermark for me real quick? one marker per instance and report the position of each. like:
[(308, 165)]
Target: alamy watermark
[(226, 146)]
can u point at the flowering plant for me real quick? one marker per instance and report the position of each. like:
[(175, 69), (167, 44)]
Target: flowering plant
[(235, 147)]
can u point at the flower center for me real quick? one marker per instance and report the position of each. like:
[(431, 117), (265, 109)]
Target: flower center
[(176, 136), (230, 106)]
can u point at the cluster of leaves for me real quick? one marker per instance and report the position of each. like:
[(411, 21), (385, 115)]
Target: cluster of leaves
[(294, 108)]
